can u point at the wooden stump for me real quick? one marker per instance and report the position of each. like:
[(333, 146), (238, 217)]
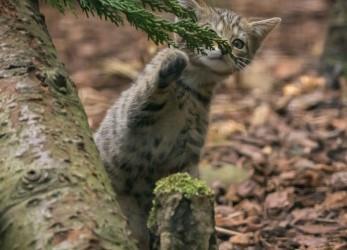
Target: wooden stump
[(182, 216)]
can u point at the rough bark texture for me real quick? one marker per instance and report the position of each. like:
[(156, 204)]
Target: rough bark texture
[(182, 216), (54, 192), (335, 53)]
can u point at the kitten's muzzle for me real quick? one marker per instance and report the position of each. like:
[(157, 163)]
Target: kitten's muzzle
[(215, 55)]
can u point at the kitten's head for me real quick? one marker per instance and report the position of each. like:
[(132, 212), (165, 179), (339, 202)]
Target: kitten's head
[(245, 37)]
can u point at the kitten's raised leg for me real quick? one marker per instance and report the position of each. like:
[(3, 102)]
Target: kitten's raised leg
[(148, 97), (171, 68)]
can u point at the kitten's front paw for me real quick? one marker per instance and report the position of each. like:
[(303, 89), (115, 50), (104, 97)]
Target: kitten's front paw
[(172, 67)]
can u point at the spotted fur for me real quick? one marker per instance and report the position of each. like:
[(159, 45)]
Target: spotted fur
[(158, 126)]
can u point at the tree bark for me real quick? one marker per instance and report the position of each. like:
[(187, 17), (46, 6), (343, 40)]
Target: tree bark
[(54, 192), (182, 216), (335, 52)]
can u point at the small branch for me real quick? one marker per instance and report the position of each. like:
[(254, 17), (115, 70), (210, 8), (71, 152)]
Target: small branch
[(227, 231)]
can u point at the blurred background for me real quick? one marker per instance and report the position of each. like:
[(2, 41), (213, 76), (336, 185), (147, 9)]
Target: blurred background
[(276, 152)]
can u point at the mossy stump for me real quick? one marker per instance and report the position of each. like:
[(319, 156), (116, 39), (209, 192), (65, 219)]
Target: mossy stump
[(182, 216)]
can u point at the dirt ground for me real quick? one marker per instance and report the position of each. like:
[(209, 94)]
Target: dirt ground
[(276, 153)]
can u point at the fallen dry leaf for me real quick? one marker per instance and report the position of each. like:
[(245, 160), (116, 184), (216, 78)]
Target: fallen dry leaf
[(225, 246), (220, 131), (311, 241), (243, 239), (335, 200), (250, 188), (261, 115), (307, 101), (280, 201), (318, 229), (303, 215), (338, 180)]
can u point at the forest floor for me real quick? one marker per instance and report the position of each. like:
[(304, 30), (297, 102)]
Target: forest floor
[(295, 144), (276, 153)]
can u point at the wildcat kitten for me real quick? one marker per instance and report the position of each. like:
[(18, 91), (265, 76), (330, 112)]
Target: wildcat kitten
[(158, 126)]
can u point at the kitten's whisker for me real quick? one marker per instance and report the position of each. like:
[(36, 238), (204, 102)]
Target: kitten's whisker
[(243, 64), (238, 67), (241, 57), (238, 62), (245, 60)]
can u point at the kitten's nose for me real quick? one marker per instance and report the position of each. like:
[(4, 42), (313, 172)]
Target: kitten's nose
[(224, 52), (218, 48)]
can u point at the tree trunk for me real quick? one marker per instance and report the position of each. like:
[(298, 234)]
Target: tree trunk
[(54, 192), (335, 52), (182, 216)]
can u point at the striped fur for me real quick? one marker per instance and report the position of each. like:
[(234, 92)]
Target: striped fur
[(158, 126)]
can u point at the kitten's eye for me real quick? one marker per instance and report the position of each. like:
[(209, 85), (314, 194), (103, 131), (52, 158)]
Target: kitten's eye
[(238, 44)]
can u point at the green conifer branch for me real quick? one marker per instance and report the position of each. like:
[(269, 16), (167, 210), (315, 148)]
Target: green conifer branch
[(159, 30), (170, 6)]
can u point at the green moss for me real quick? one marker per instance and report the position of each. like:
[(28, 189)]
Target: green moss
[(184, 184), (181, 183)]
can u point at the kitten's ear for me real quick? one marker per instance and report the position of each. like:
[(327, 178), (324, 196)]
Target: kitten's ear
[(195, 5), (262, 28)]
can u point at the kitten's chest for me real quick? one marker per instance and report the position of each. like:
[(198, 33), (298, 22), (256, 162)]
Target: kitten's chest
[(183, 131)]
